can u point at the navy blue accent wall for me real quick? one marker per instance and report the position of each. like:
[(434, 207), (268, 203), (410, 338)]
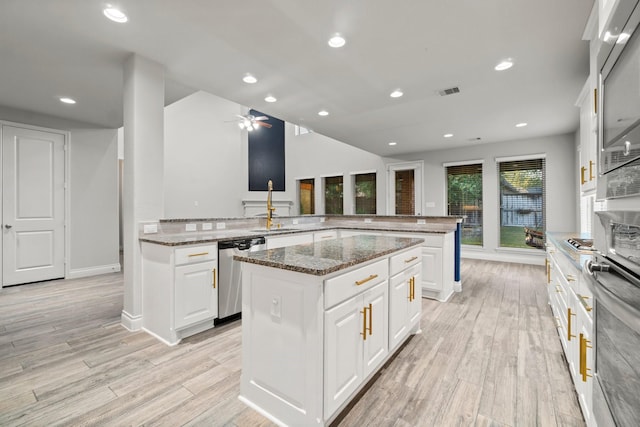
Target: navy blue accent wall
[(266, 155)]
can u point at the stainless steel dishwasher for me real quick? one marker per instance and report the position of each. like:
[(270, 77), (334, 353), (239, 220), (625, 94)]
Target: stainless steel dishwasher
[(230, 276)]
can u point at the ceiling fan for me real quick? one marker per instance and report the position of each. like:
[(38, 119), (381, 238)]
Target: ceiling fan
[(251, 122)]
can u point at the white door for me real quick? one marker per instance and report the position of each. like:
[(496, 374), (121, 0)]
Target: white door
[(376, 347), (32, 205)]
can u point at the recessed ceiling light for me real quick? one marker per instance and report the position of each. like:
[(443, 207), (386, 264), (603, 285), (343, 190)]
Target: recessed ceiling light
[(337, 41), (323, 113), (393, 143), (115, 14), (270, 98), (504, 65), (67, 100), (249, 79), (396, 93), (521, 125), (448, 135)]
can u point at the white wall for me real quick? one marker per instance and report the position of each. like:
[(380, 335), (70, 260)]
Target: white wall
[(93, 191), (206, 160), (561, 185)]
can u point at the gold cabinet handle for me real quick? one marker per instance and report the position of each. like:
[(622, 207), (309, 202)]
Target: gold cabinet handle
[(584, 345), (413, 258), (363, 281), (571, 278), (410, 297), (591, 176), (199, 254), (364, 324), (569, 334), (583, 180), (558, 289), (548, 264), (326, 237), (370, 328), (413, 288), (584, 299), (214, 278)]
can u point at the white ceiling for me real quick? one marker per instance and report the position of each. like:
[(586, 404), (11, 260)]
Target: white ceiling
[(51, 48)]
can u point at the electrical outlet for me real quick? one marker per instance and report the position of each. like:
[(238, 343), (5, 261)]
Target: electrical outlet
[(368, 220), (422, 221), (207, 226), (295, 222), (150, 228), (191, 227), (220, 226)]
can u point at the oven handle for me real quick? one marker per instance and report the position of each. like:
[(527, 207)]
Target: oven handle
[(593, 266)]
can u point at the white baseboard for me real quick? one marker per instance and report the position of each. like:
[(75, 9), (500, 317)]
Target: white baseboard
[(93, 271), (506, 256), (130, 322)]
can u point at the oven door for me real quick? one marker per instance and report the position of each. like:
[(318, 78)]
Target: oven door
[(616, 394)]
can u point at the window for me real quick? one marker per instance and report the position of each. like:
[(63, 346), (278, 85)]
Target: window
[(522, 203), (306, 196), (365, 193), (464, 197), (333, 195)]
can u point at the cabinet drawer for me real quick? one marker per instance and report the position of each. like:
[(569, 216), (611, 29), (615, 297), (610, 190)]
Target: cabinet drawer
[(406, 259), (190, 254), (341, 287)]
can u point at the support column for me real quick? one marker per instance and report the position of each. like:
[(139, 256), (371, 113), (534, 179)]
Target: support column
[(457, 282), (142, 193)]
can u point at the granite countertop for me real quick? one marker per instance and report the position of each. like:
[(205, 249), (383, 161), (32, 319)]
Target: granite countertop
[(191, 238), (329, 256), (577, 257)]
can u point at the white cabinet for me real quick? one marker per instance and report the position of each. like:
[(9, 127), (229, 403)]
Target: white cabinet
[(179, 290), (282, 241), (588, 150), (571, 304), (404, 304), (196, 296), (355, 344)]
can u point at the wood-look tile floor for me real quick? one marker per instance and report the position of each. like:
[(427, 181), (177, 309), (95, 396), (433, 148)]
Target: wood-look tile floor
[(488, 357)]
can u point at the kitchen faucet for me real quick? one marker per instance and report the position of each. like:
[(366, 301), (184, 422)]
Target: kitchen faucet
[(270, 207)]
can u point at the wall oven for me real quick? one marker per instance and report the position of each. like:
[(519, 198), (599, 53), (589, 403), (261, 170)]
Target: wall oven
[(619, 103), (615, 283)]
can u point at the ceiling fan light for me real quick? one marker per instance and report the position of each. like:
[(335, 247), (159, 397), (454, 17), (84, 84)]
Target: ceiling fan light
[(241, 125)]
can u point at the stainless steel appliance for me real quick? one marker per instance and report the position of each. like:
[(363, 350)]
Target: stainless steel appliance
[(619, 103), (615, 273), (230, 276)]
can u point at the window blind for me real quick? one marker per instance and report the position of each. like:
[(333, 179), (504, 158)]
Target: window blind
[(464, 198)]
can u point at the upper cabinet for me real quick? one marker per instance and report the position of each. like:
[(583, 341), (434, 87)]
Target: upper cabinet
[(588, 137)]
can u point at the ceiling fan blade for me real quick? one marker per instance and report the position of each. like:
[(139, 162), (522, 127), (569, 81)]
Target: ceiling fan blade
[(242, 117), (263, 124), (261, 118)]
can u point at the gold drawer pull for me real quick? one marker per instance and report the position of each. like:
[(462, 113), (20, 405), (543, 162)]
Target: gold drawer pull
[(199, 254), (413, 258), (571, 278), (584, 345), (591, 176), (584, 300), (363, 281), (569, 334), (214, 278), (326, 237), (370, 328)]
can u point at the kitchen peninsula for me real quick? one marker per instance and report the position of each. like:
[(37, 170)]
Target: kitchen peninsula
[(320, 319), (180, 259)]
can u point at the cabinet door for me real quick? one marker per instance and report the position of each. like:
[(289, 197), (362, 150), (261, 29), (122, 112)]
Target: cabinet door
[(415, 303), (376, 346), (196, 299), (432, 268), (399, 293), (343, 352)]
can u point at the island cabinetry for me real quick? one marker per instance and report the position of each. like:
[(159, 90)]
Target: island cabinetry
[(356, 343), (311, 342), (405, 294), (179, 292)]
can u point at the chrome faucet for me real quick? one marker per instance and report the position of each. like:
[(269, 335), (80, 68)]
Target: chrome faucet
[(270, 207)]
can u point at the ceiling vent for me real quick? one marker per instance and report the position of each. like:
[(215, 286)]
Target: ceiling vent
[(477, 138), (450, 91)]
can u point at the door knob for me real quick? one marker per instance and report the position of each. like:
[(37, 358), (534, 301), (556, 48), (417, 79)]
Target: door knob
[(7, 226)]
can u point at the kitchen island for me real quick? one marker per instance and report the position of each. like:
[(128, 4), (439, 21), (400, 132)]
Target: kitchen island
[(320, 319)]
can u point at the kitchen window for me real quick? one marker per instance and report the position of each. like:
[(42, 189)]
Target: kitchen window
[(333, 195), (522, 202), (464, 198), (365, 193), (306, 196)]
